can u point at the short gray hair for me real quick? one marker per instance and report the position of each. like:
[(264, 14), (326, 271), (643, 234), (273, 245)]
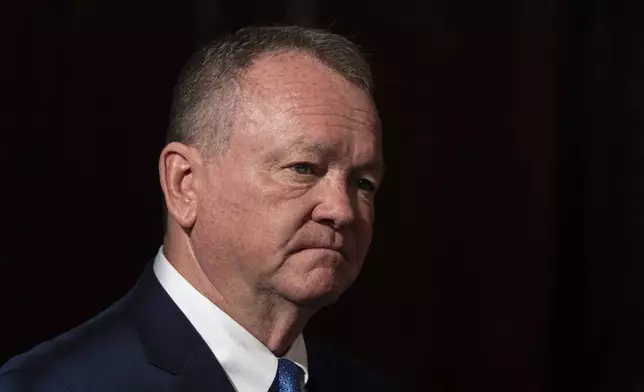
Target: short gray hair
[(204, 99)]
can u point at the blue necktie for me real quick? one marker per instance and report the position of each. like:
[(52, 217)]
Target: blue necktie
[(287, 378)]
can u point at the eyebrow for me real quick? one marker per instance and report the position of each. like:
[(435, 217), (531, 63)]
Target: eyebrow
[(375, 166), (326, 150), (314, 147)]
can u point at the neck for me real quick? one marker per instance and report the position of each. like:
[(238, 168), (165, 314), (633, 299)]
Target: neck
[(271, 319)]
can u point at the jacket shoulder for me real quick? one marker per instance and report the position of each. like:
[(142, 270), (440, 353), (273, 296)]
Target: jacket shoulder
[(18, 380), (106, 350)]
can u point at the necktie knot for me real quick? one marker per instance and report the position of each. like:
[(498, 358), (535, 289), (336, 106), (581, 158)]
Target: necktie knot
[(287, 378)]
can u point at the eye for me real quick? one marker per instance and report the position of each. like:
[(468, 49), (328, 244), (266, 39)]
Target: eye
[(304, 168), (365, 185)]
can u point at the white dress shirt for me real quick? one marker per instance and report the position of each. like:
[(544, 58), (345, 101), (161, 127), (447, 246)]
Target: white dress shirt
[(249, 365)]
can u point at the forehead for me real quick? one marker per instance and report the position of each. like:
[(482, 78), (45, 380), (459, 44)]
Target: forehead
[(292, 103), (293, 106), (296, 83)]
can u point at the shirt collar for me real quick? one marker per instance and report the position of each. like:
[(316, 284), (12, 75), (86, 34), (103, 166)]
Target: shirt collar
[(250, 366)]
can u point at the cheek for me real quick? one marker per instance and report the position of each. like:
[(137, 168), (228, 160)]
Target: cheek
[(363, 232), (366, 215), (364, 237), (228, 210), (264, 226)]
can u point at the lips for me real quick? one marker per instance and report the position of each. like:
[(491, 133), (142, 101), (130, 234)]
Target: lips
[(338, 249), (322, 240)]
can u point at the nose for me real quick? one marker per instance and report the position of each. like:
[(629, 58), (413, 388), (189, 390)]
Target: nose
[(335, 207)]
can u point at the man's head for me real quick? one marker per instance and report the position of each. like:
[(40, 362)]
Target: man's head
[(273, 163), (205, 96)]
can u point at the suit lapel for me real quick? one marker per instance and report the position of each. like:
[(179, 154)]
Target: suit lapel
[(201, 373), (171, 342)]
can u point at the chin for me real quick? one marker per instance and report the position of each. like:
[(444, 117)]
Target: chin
[(320, 288), (317, 278), (314, 300)]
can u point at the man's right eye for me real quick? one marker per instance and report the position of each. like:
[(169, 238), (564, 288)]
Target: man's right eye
[(304, 168)]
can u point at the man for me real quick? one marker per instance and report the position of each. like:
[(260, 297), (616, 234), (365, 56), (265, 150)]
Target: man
[(269, 176)]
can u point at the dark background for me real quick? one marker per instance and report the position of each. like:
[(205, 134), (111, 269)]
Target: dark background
[(508, 253)]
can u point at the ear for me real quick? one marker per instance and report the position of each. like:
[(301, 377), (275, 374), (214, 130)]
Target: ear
[(177, 166)]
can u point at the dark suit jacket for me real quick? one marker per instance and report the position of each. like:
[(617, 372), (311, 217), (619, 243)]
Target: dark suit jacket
[(144, 343)]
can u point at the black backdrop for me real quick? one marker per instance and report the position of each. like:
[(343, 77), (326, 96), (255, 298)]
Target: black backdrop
[(507, 253)]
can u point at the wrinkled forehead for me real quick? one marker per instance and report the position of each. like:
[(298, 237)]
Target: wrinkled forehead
[(295, 82)]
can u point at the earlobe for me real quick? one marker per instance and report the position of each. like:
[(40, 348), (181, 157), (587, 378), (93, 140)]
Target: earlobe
[(177, 165)]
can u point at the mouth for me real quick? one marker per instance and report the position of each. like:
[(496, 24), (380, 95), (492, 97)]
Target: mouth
[(328, 249)]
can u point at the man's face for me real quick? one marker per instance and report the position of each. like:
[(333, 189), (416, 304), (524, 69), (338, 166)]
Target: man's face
[(289, 208)]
